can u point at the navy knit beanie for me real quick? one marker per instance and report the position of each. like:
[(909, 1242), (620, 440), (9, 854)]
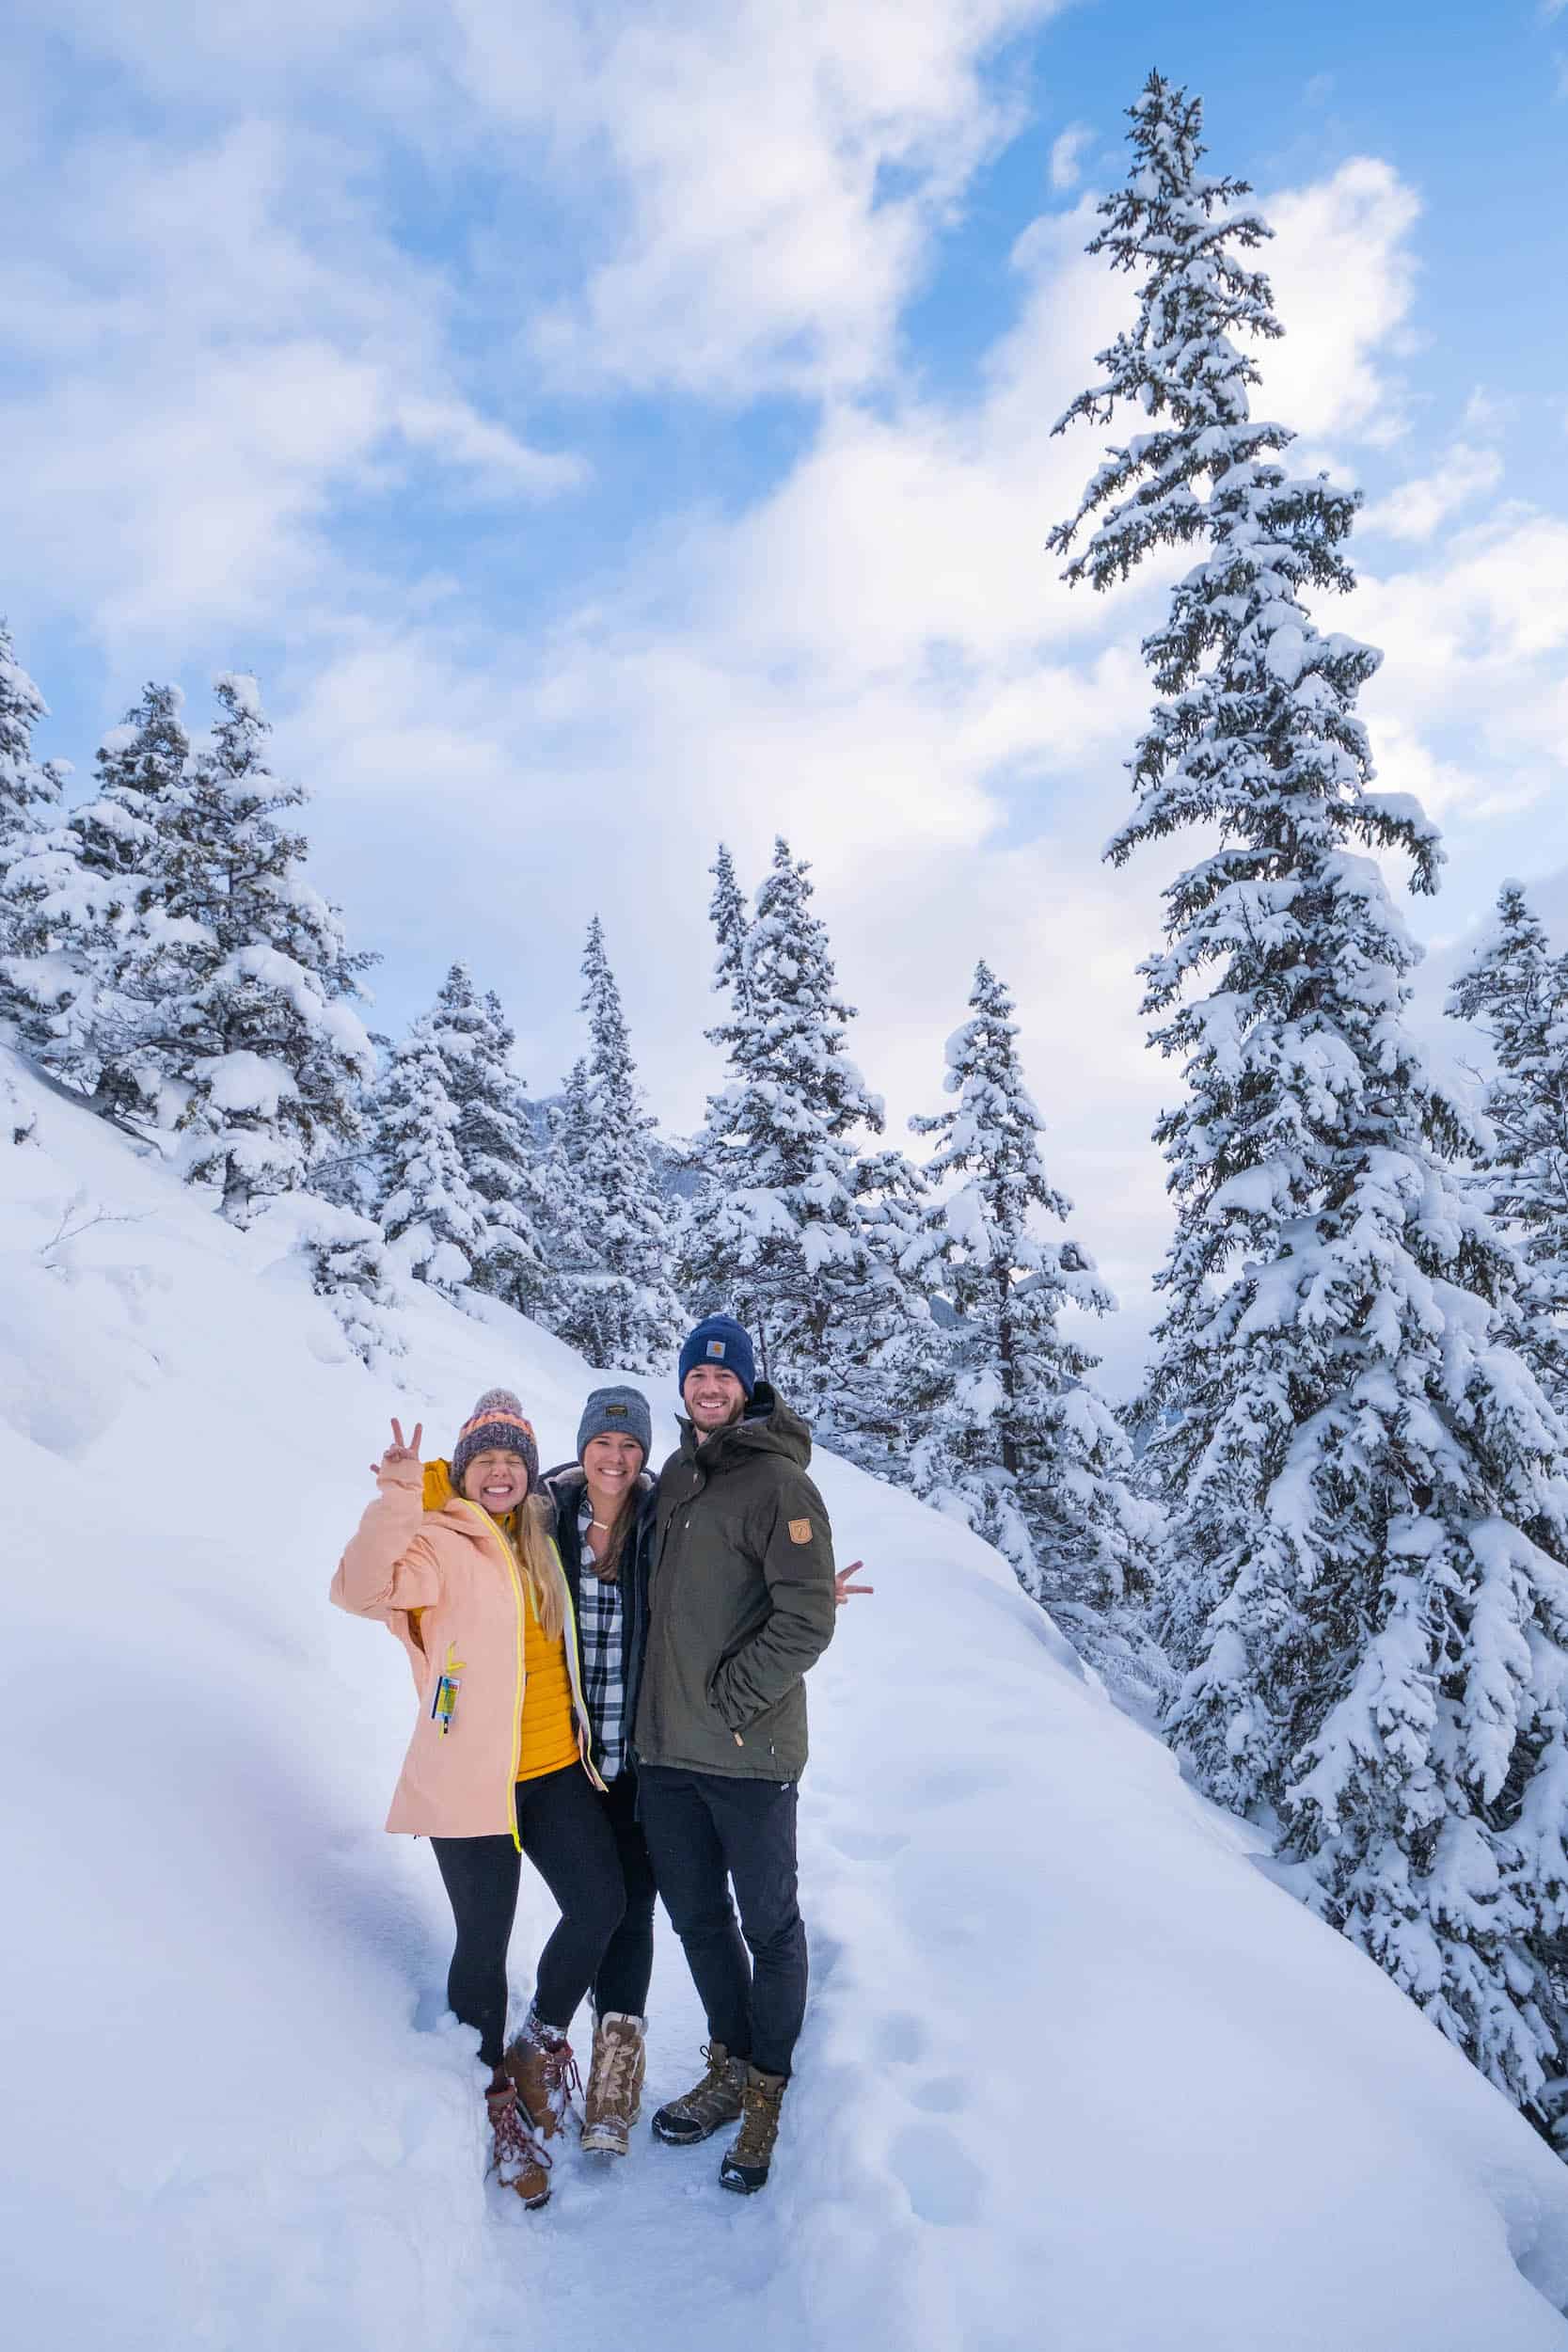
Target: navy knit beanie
[(719, 1340), (617, 1413), (497, 1420)]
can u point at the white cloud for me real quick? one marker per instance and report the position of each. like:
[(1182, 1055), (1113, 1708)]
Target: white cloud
[(1345, 280), (1066, 154), (1418, 507), (225, 343), (772, 175)]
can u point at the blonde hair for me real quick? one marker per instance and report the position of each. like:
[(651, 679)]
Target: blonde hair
[(534, 1546)]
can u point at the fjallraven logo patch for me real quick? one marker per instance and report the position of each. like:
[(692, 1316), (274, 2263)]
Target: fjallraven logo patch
[(799, 1531), (716, 1347)]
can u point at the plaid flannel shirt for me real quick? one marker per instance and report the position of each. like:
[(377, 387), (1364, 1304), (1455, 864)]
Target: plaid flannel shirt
[(604, 1685)]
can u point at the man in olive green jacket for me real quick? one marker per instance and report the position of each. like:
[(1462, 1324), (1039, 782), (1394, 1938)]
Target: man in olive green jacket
[(740, 1603)]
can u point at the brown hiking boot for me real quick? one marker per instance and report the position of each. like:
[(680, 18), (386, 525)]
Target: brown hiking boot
[(709, 2104), (750, 2152), (544, 2074), (615, 2098), (517, 2159)]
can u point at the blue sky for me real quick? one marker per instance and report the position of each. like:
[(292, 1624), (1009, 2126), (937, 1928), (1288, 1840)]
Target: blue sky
[(603, 428)]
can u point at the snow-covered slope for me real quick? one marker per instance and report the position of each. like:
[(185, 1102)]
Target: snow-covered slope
[(1076, 2077)]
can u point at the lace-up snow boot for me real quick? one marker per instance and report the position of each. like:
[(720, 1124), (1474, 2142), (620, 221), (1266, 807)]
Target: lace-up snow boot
[(750, 2152), (614, 2096), (517, 2159), (708, 2106), (544, 2075)]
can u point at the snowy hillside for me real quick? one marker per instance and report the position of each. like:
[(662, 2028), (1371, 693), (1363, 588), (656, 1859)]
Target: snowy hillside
[(1076, 2077)]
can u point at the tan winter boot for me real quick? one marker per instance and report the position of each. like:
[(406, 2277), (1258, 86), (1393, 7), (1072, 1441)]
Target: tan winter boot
[(545, 2074), (750, 2152), (709, 2104), (615, 2098), (517, 2159)]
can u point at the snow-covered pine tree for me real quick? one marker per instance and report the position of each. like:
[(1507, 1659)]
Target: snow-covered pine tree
[(613, 1287), (494, 1138), (29, 798), (1021, 1446), (263, 1060), (426, 1205), (728, 915), (1516, 992), (1363, 1586), (86, 896), (891, 1362), (775, 1233)]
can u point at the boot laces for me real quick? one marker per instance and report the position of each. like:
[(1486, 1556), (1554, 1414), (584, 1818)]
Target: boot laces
[(562, 2078), (611, 2076), (515, 2142), (759, 2121)]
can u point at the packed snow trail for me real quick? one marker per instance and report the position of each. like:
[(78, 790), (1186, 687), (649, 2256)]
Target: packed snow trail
[(1076, 2077)]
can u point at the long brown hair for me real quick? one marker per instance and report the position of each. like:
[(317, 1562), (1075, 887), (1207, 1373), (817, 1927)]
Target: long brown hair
[(534, 1545), (607, 1564)]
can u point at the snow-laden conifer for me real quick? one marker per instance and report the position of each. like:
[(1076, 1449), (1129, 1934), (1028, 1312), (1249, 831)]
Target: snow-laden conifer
[(260, 1057), (426, 1205), (1020, 1445), (612, 1263), (1515, 991), (29, 789), (1363, 1588), (86, 895), (494, 1138), (775, 1233)]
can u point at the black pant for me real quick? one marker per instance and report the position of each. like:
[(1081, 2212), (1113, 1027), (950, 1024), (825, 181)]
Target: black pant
[(568, 1836), (705, 1830), (622, 1983)]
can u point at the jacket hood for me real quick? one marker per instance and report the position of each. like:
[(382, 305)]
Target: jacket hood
[(439, 1488), (768, 1427)]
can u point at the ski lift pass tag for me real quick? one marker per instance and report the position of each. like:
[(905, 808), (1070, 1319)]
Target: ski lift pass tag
[(799, 1531)]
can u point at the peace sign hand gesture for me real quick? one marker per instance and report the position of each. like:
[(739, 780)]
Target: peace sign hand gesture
[(399, 1452)]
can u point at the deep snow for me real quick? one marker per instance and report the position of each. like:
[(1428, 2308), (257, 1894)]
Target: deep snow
[(1076, 2077)]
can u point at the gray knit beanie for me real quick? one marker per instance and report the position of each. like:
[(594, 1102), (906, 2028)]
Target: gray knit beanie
[(617, 1413), (497, 1419)]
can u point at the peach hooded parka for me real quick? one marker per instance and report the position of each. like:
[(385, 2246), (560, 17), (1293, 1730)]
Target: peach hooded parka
[(422, 1547)]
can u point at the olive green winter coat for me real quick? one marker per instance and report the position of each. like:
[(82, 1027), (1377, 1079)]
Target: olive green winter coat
[(741, 1599)]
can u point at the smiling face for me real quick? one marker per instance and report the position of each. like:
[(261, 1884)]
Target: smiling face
[(611, 1462), (495, 1480), (712, 1396)]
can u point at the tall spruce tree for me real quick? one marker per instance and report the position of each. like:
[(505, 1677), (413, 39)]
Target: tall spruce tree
[(494, 1138), (425, 1204), (1363, 1586), (89, 898), (612, 1283), (29, 799), (775, 1231), (1020, 1446), (259, 1044), (1515, 992)]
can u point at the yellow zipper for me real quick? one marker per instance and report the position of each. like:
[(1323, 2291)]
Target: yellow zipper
[(499, 1533)]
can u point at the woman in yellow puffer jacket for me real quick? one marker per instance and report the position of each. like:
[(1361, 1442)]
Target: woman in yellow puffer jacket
[(462, 1566)]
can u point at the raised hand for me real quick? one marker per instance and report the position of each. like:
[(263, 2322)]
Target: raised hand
[(842, 1586), (398, 1451)]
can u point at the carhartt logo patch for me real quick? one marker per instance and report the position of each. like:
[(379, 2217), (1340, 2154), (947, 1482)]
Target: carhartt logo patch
[(716, 1347), (799, 1531)]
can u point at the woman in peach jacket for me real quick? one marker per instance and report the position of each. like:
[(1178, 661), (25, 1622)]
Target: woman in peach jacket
[(460, 1564)]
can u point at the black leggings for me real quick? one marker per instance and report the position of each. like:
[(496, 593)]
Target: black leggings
[(580, 1844)]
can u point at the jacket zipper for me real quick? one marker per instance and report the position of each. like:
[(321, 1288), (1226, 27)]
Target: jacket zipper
[(500, 1535)]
